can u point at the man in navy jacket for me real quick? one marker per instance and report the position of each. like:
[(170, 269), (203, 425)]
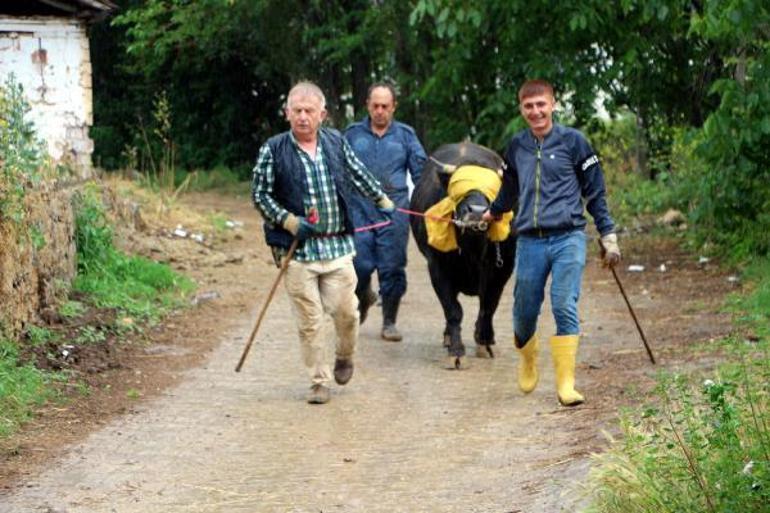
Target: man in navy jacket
[(554, 174), (388, 149)]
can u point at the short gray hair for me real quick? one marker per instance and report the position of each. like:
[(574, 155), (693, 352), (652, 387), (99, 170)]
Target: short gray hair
[(306, 88)]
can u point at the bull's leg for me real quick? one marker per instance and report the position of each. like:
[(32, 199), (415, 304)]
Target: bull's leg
[(453, 314), (492, 284)]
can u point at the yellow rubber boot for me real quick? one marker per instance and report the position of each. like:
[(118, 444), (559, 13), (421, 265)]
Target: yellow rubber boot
[(528, 364), (563, 350)]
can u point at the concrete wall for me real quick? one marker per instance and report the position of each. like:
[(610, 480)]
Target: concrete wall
[(50, 58)]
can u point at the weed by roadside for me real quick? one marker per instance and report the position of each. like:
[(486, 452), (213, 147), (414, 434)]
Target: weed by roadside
[(22, 388), (703, 443), (134, 286), (113, 294)]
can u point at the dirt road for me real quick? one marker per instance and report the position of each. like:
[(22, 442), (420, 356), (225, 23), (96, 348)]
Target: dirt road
[(405, 435)]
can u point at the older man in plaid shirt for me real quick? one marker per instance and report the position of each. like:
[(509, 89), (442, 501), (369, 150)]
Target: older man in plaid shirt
[(305, 171)]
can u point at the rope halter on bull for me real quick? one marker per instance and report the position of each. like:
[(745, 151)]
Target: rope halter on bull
[(463, 180)]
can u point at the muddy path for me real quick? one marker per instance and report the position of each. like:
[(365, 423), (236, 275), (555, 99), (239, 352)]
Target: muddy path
[(405, 435)]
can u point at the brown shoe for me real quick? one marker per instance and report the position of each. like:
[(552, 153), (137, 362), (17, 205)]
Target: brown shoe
[(343, 370), (319, 394)]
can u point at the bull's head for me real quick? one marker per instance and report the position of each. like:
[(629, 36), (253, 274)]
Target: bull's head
[(469, 210), (471, 199), (460, 180)]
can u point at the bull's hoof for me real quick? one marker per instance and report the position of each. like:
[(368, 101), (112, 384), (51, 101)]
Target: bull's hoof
[(483, 351), (456, 363)]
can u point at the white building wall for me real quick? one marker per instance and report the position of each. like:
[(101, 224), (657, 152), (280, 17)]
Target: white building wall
[(51, 60)]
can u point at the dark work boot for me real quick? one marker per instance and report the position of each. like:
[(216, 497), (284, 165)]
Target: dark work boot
[(366, 299), (389, 314)]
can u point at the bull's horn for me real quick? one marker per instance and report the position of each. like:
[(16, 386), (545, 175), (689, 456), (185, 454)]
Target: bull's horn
[(445, 168)]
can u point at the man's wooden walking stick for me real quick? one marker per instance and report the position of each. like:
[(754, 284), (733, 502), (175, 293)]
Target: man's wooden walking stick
[(628, 304), (284, 266), (312, 218)]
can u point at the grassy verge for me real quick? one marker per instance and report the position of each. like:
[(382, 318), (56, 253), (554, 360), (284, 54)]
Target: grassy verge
[(123, 292), (22, 387), (703, 442), (134, 286)]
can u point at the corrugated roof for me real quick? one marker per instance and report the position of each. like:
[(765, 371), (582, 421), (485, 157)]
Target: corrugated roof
[(87, 9)]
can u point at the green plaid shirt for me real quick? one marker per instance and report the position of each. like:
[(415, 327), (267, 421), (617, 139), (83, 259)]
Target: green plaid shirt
[(322, 195)]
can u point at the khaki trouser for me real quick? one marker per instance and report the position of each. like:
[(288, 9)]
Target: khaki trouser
[(315, 288)]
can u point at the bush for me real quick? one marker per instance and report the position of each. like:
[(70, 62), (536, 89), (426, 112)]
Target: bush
[(22, 155), (133, 285), (699, 448)]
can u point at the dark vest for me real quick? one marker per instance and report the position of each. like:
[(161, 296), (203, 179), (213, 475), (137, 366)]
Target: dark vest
[(290, 185)]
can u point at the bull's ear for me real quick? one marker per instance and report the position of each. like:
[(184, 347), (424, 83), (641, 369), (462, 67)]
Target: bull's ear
[(447, 169)]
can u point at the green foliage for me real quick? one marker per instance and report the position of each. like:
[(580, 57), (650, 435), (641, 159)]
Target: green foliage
[(221, 178), (21, 154), (753, 310), (212, 59), (135, 286), (735, 184), (22, 388), (38, 336), (70, 309), (699, 449), (90, 335), (93, 232), (677, 67)]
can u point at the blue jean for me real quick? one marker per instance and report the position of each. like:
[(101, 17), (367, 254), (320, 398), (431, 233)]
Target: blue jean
[(563, 256)]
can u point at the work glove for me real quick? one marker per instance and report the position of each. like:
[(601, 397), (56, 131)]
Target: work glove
[(299, 226), (386, 206), (610, 250), (489, 217)]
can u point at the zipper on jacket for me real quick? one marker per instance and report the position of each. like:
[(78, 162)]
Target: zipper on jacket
[(537, 190)]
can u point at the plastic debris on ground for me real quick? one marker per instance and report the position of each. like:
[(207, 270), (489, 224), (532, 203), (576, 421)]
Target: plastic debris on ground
[(205, 296), (636, 268), (179, 231)]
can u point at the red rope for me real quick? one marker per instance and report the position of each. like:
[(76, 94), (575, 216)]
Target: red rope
[(405, 211), (373, 226), (423, 214)]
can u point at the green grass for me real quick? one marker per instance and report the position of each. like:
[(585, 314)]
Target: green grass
[(38, 336), (22, 388), (135, 287), (702, 444), (753, 310), (221, 179), (70, 309)]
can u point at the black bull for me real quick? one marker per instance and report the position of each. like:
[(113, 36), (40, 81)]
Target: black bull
[(479, 267)]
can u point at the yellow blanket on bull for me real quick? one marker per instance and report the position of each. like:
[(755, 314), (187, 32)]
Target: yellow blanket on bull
[(441, 234)]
